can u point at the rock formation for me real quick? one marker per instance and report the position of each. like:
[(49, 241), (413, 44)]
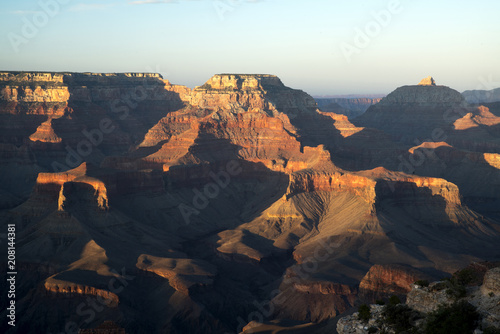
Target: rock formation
[(383, 281), (429, 81), (423, 300)]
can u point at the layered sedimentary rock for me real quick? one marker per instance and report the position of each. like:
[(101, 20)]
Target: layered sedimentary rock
[(69, 290), (383, 281), (324, 300), (429, 81), (422, 300), (491, 283), (27, 94), (65, 183)]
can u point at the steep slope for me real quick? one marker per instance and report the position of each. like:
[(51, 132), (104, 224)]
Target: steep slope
[(480, 297)]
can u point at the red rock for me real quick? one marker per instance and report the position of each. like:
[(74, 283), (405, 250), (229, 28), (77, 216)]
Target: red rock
[(383, 281)]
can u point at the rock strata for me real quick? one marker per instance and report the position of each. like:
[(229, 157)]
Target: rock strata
[(429, 81)]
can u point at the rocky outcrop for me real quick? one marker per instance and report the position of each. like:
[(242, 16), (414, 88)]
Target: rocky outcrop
[(58, 289), (70, 183), (383, 281), (58, 89), (243, 82), (487, 298), (35, 94), (429, 81), (308, 181), (228, 90), (485, 294), (351, 324), (45, 133), (421, 301)]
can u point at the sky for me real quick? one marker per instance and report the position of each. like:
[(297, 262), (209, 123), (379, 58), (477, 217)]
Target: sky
[(324, 47)]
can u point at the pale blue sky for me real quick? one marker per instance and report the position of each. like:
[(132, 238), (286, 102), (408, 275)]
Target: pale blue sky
[(188, 41)]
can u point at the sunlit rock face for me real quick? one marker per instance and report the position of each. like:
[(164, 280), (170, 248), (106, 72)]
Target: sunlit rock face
[(383, 281), (429, 81)]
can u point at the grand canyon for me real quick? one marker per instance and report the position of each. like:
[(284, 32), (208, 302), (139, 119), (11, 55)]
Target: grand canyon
[(241, 205)]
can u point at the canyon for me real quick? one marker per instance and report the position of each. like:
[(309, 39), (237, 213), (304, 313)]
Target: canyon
[(238, 204), (351, 107)]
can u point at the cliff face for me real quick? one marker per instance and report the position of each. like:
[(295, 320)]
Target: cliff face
[(66, 183), (23, 90), (56, 288), (245, 90), (383, 281), (483, 295), (45, 133), (38, 94), (309, 182)]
